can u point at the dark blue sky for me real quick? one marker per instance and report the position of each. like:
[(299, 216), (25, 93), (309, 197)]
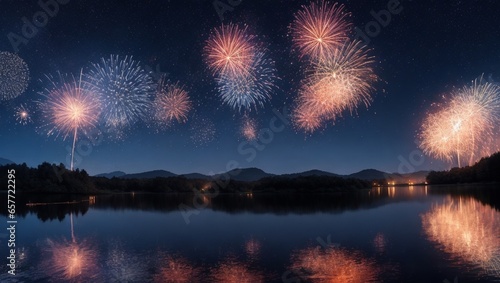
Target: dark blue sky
[(425, 51)]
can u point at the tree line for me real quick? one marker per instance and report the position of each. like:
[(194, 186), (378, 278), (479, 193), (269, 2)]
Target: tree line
[(52, 178), (485, 170)]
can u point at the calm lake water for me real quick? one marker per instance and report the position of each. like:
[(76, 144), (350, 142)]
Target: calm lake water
[(401, 234)]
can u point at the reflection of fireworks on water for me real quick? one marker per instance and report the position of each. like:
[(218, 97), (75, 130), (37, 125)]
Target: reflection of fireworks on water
[(252, 248), (250, 89), (229, 50), (319, 29), (14, 76), (70, 107), (466, 128), (123, 266), (466, 230), (334, 265), (22, 114), (171, 102), (233, 271), (202, 131), (380, 242), (71, 260), (249, 129), (176, 270), (125, 89)]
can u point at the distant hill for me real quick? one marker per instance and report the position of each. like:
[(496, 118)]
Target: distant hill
[(112, 174), (246, 174), (255, 174), (369, 175), (310, 173), (4, 161), (149, 175), (196, 176)]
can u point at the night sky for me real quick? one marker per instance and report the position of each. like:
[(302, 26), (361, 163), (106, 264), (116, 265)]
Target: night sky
[(427, 50)]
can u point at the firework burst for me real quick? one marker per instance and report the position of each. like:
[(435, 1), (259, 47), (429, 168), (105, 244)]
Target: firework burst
[(250, 89), (345, 79), (306, 118), (319, 29), (125, 90), (14, 76), (69, 107), (249, 129), (337, 83), (22, 114), (229, 50), (465, 128), (171, 102)]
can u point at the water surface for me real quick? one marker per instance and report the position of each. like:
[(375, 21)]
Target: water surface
[(398, 234)]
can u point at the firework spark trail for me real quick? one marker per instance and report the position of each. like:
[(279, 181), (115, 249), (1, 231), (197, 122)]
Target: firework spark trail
[(466, 230), (251, 89), (467, 124), (70, 108), (171, 102), (22, 114), (229, 50), (319, 29), (125, 90), (14, 76)]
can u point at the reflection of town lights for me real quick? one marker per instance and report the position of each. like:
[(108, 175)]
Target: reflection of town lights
[(467, 230)]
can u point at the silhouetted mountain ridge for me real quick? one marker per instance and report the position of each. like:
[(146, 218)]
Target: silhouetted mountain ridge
[(255, 174)]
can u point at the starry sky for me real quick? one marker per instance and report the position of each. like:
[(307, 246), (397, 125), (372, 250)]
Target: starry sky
[(424, 52)]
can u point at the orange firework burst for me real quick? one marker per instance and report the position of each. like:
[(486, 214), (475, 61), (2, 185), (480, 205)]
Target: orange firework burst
[(467, 230), (319, 29), (171, 102), (230, 50), (345, 78), (306, 118), (70, 108), (334, 265), (232, 271), (465, 128), (249, 129), (338, 82)]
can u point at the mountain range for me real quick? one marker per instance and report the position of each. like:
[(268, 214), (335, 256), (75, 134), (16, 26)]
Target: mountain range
[(4, 161), (255, 174)]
